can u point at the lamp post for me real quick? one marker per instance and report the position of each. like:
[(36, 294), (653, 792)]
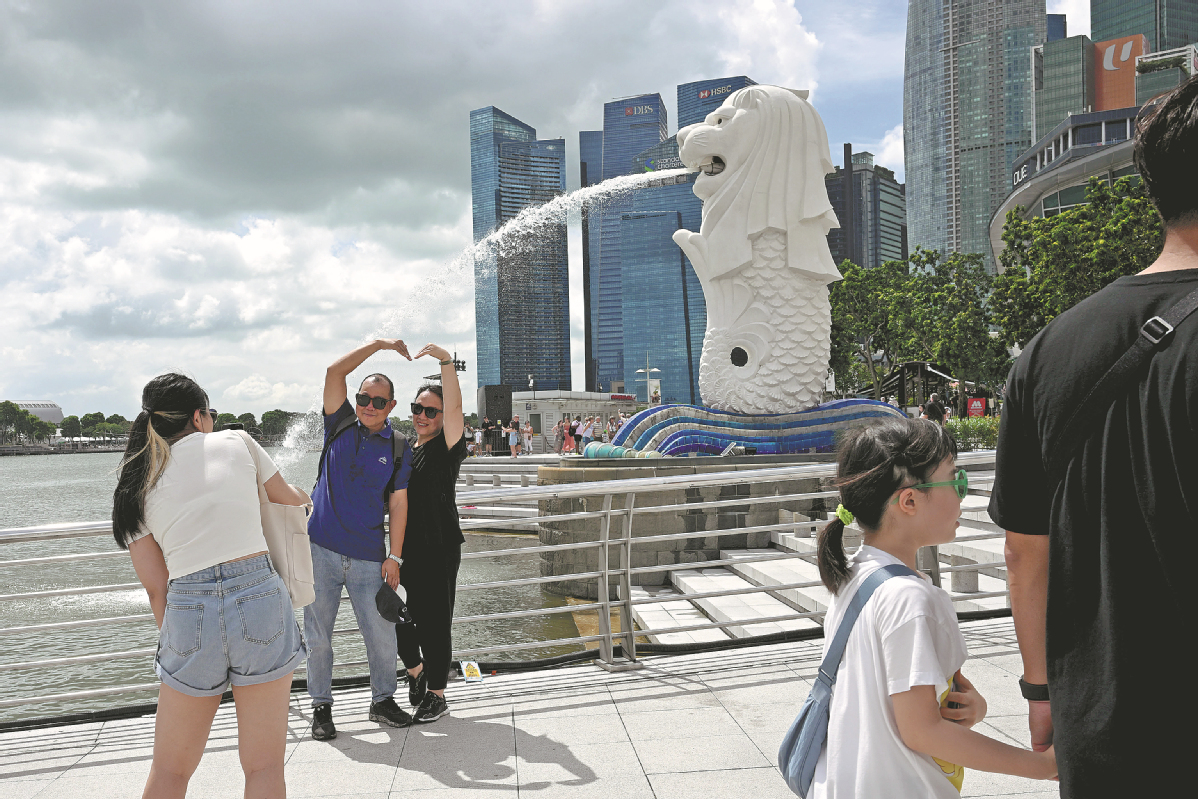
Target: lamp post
[(648, 373)]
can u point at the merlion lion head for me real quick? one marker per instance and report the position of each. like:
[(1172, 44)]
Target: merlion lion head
[(763, 156)]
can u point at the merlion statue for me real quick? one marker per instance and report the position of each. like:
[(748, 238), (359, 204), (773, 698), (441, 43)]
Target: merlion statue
[(761, 253)]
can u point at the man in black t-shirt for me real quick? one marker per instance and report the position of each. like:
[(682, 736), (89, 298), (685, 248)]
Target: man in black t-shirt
[(1099, 565)]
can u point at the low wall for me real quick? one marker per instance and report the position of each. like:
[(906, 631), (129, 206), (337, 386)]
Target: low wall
[(701, 521)]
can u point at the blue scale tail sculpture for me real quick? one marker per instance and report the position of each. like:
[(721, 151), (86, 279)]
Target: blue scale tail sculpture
[(684, 429)]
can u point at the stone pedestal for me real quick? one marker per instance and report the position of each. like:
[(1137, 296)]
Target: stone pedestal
[(701, 522)]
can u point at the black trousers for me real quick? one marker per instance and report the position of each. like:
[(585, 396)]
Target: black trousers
[(432, 585)]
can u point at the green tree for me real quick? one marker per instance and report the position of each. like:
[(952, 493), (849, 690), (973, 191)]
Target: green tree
[(71, 427), (941, 314), (862, 324), (89, 420), (276, 422), (116, 418), (9, 414), (224, 419), (248, 420), (1050, 264), (43, 431)]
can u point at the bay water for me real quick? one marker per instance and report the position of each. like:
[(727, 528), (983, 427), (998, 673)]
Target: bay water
[(46, 489)]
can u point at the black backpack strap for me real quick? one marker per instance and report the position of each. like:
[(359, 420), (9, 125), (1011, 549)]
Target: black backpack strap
[(1155, 335), (399, 444), (342, 426)]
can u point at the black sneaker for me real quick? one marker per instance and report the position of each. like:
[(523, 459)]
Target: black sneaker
[(417, 688), (432, 708), (322, 723), (389, 713)]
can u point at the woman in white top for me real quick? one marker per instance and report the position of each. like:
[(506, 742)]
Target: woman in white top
[(528, 437), (186, 507)]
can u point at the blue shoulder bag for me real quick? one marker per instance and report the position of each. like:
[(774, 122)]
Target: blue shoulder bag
[(805, 739)]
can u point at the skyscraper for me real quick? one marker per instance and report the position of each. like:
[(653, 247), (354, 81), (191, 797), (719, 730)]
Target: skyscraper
[(698, 99), (630, 126), (1064, 81), (1166, 23), (522, 293), (879, 214), (967, 114)]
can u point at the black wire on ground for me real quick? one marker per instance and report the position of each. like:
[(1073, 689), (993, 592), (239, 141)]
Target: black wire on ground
[(491, 667)]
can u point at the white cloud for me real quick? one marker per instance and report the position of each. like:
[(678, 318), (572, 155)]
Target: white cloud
[(246, 192), (889, 151)]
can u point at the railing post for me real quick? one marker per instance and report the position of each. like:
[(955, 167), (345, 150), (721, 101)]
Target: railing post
[(626, 621), (524, 481), (927, 559), (495, 481), (469, 479), (606, 656), (966, 580)]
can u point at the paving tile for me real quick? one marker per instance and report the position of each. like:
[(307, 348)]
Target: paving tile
[(984, 783), (113, 786), (704, 721), (550, 761), (25, 789), (350, 778), (759, 783), (605, 728), (363, 746), (683, 753), (625, 787)]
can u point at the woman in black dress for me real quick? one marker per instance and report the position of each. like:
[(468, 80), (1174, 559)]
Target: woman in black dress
[(432, 544)]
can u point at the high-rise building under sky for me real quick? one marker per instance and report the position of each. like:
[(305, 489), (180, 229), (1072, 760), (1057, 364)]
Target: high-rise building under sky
[(698, 99), (522, 294), (967, 114), (1166, 23), (879, 214)]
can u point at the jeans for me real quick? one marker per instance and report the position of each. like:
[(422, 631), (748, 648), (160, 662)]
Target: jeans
[(362, 579), (229, 623)]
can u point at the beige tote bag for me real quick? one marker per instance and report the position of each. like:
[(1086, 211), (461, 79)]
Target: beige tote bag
[(286, 531)]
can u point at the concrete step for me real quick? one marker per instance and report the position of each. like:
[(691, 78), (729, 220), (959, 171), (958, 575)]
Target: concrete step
[(673, 611), (986, 550), (740, 609), (781, 572), (962, 602)]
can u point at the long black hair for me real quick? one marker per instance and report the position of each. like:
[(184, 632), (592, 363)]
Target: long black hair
[(167, 404), (872, 463)]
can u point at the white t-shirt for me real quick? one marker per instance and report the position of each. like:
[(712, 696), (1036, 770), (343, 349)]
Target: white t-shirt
[(906, 635), (204, 510)]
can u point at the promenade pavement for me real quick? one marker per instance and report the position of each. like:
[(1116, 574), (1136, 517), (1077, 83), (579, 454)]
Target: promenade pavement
[(700, 725)]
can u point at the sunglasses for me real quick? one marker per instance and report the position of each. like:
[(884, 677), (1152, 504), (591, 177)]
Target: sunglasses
[(378, 402), (961, 484), (212, 412), (430, 413)]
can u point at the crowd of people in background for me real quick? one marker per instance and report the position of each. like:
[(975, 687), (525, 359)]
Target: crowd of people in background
[(570, 435)]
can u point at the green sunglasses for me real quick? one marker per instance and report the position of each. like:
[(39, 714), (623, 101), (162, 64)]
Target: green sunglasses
[(961, 484)]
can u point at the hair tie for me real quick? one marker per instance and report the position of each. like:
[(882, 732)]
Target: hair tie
[(845, 516)]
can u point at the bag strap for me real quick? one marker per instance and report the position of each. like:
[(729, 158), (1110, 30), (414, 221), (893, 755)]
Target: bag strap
[(249, 444), (341, 427), (1155, 335), (831, 663)]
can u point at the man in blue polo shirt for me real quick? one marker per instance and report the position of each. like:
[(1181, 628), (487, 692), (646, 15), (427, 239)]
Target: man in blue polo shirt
[(358, 482)]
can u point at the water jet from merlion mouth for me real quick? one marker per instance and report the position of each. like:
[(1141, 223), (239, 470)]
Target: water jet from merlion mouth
[(511, 238)]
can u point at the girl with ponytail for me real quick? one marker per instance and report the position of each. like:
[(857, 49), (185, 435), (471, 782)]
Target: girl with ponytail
[(901, 710), (186, 507)]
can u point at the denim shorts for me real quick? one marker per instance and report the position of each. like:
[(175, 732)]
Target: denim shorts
[(231, 623)]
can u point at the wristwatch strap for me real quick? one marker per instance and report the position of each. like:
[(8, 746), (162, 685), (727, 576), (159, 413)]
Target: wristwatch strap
[(446, 362), (1033, 692), (396, 558)]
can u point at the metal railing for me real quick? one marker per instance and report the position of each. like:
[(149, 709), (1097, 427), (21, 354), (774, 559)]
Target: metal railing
[(614, 575)]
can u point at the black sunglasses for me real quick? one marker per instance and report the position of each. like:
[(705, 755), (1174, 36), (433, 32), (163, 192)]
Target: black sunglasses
[(418, 409), (212, 413), (378, 402)]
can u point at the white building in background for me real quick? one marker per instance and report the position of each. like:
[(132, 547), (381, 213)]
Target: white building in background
[(546, 408), (43, 409)]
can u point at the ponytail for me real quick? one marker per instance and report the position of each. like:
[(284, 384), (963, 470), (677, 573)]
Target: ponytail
[(833, 562), (168, 402)]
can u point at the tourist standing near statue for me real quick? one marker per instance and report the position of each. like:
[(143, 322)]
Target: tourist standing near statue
[(186, 507), (1101, 544), (527, 437), (363, 475), (432, 541)]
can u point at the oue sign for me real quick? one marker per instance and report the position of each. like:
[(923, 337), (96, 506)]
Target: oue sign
[(1019, 176)]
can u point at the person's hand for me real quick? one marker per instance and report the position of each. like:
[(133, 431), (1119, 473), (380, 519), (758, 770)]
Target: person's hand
[(1048, 760), (972, 704), (437, 352), (1039, 723), (395, 344), (391, 573)]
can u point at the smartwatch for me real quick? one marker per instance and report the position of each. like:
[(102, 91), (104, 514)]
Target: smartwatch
[(399, 561), (1033, 692)]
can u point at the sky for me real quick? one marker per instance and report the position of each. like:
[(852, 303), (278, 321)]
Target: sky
[(244, 191)]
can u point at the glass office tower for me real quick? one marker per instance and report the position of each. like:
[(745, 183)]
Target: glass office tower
[(697, 100), (522, 293), (879, 214), (967, 114), (630, 126), (1064, 81), (1166, 23), (1057, 27)]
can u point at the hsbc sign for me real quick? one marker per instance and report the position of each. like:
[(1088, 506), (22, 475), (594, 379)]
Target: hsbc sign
[(637, 110), (707, 94)]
